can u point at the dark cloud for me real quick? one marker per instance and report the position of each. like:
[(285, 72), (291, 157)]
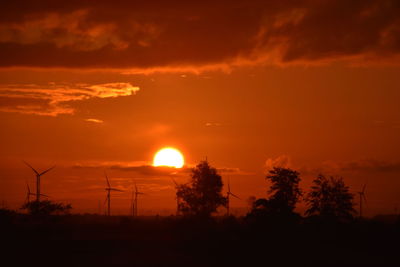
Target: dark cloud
[(371, 165), (175, 34), (147, 170), (362, 166), (336, 167)]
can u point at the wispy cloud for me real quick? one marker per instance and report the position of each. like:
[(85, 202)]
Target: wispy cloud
[(94, 120), (213, 124), (53, 99)]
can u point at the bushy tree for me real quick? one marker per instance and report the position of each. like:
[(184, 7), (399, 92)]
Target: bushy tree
[(46, 207), (284, 194), (203, 194), (285, 191), (330, 198)]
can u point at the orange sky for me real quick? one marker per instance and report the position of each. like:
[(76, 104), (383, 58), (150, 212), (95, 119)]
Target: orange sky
[(311, 85)]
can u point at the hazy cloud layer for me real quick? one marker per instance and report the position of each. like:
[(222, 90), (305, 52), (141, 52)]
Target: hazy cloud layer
[(196, 35), (148, 170), (365, 165), (54, 99), (330, 167)]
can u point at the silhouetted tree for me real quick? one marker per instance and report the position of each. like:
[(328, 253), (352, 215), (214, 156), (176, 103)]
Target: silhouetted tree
[(284, 195), (46, 207), (330, 198), (285, 191), (202, 196)]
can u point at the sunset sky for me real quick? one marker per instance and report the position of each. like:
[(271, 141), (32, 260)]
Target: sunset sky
[(102, 85)]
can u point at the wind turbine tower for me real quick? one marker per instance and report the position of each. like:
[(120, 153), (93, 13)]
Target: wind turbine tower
[(38, 176), (135, 208), (132, 208), (29, 193)]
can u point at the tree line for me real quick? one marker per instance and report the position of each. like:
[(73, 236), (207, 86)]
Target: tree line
[(329, 197)]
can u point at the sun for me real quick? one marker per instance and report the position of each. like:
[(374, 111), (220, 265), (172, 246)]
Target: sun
[(170, 157)]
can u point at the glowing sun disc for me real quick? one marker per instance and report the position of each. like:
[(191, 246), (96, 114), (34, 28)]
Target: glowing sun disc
[(168, 156)]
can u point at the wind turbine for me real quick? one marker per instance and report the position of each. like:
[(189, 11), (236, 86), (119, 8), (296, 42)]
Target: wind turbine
[(38, 175), (29, 193), (177, 197), (228, 194), (108, 198), (362, 198), (136, 193)]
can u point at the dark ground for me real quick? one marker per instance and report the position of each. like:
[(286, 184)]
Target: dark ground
[(90, 240)]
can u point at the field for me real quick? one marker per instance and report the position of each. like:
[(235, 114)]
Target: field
[(92, 240)]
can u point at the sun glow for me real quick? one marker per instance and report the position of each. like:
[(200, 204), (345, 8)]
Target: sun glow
[(168, 156)]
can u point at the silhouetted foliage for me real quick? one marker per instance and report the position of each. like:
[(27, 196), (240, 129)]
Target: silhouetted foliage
[(330, 198), (250, 201), (284, 195), (202, 196), (6, 216), (285, 191), (46, 207)]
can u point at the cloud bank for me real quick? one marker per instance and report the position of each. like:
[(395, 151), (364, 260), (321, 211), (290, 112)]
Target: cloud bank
[(160, 35)]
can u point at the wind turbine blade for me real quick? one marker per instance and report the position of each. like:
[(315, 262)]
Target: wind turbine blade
[(365, 199), (26, 163), (363, 190), (105, 201), (229, 186), (108, 182), (234, 195), (173, 180), (115, 189), (29, 190), (44, 195), (48, 170)]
